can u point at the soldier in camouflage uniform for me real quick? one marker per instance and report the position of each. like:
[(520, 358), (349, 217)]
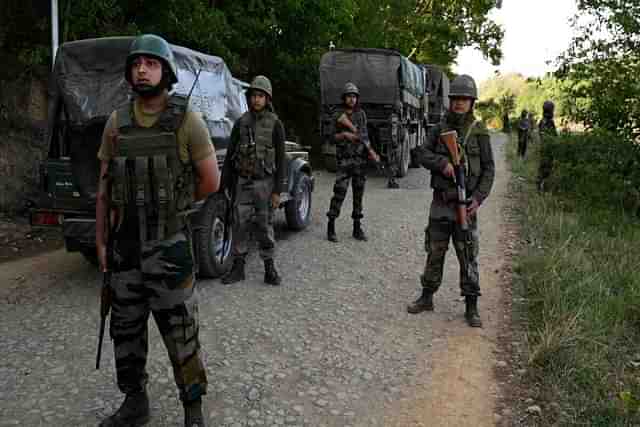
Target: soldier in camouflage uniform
[(547, 125), (477, 154), (524, 126), (546, 129), (352, 144), (157, 160), (255, 168)]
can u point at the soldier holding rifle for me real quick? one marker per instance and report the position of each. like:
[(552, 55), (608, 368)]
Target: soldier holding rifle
[(157, 160), (458, 153), (352, 150)]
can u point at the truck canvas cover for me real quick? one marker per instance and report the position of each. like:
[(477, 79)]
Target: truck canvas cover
[(378, 73), (88, 84)]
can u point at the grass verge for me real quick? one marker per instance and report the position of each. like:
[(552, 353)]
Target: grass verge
[(579, 266)]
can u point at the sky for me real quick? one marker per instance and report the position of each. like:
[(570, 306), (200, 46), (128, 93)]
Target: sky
[(536, 31)]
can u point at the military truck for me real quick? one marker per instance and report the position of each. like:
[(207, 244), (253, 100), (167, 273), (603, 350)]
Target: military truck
[(437, 92), (392, 93), (86, 85)]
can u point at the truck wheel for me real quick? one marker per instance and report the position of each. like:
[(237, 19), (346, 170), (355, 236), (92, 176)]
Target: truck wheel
[(330, 162), (208, 238), (404, 158), (298, 208)]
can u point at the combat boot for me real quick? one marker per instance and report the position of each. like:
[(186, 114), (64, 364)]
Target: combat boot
[(134, 412), (193, 416), (236, 273), (424, 303), (393, 184), (358, 232), (471, 311), (331, 230), (270, 274)]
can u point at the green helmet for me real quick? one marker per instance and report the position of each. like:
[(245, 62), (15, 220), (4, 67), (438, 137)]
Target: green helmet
[(261, 83), (152, 45), (350, 88), (463, 86)]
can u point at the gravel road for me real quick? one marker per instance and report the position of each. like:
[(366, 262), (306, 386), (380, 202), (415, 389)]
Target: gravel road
[(333, 346)]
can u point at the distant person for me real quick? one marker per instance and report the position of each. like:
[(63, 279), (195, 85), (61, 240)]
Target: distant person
[(153, 139), (547, 125), (547, 129), (475, 143), (506, 125), (523, 133), (255, 169)]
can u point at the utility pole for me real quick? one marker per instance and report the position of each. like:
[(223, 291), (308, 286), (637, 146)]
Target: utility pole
[(54, 31)]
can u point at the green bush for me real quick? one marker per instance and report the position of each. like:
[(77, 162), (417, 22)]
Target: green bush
[(579, 270), (598, 169)]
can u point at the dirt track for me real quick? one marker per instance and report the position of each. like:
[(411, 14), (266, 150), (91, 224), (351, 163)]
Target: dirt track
[(334, 346)]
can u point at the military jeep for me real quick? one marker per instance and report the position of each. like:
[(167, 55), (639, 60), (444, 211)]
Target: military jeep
[(86, 85)]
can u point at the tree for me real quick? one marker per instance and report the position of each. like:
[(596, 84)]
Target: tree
[(601, 66)]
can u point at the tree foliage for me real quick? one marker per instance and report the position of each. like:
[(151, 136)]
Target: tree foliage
[(602, 65), (282, 39), (512, 93)]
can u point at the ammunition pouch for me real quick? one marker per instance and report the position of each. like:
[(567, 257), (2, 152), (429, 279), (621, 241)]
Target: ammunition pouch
[(256, 155), (152, 186)]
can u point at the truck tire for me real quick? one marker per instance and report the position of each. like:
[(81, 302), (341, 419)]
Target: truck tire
[(330, 163), (208, 238), (298, 208), (404, 158)]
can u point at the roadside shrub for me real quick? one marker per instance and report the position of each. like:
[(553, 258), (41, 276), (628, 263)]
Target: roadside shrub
[(598, 168)]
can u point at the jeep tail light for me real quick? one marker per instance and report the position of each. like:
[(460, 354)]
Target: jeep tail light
[(46, 218)]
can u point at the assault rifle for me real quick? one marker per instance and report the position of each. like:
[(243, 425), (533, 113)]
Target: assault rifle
[(230, 198), (450, 140), (106, 294), (373, 156)]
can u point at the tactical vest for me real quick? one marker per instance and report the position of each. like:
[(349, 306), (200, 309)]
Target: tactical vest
[(150, 181), (470, 149), (255, 156), (347, 150)]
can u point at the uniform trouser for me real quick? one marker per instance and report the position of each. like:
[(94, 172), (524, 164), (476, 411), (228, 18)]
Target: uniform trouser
[(523, 139), (253, 212), (165, 287), (442, 228), (357, 175)]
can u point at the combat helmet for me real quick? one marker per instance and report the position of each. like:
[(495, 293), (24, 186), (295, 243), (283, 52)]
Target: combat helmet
[(547, 108), (350, 88), (157, 47), (463, 86), (261, 83)]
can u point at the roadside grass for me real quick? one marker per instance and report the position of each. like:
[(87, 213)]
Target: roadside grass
[(579, 267)]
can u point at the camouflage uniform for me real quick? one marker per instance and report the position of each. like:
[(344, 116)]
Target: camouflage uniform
[(163, 284), (523, 134), (151, 158), (351, 166), (480, 170), (546, 128), (154, 275), (255, 168)]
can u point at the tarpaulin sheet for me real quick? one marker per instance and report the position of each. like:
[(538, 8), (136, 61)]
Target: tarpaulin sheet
[(88, 82), (378, 73)]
